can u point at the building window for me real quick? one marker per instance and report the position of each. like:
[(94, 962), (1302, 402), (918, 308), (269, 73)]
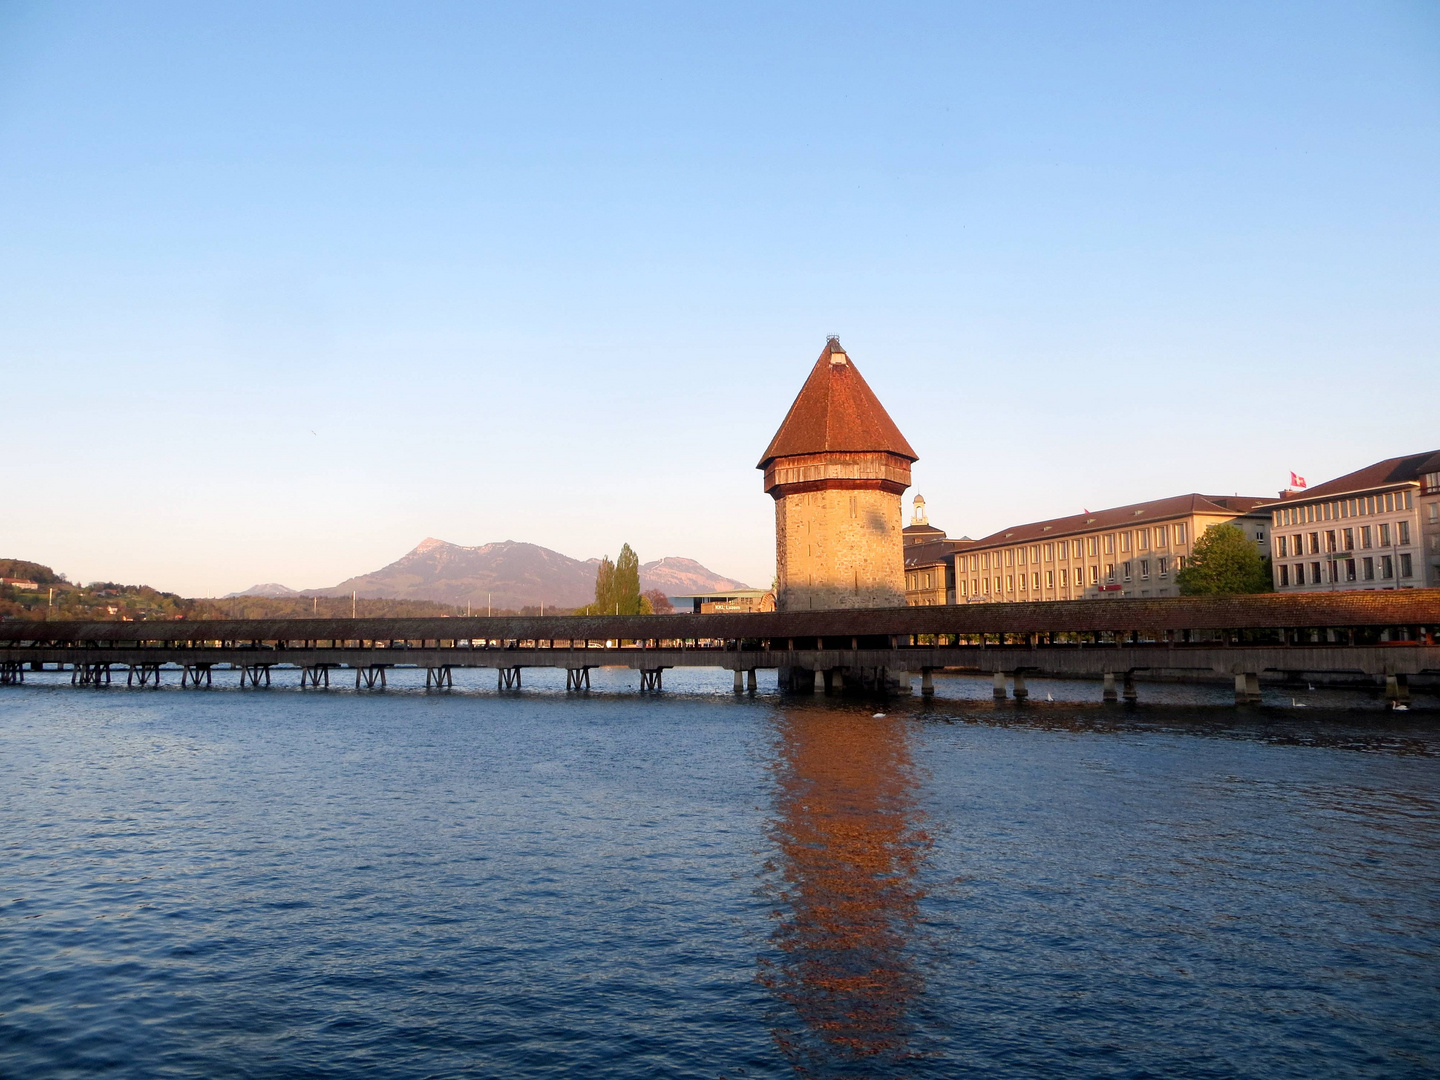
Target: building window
[(985, 585), (1127, 569), (974, 586), (1110, 573), (1124, 541), (1164, 566), (1142, 539), (1404, 527), (1365, 536), (1109, 543), (1064, 579), (1162, 536), (1367, 567), (1434, 508), (1406, 570), (1349, 536), (1385, 534), (1315, 543), (1022, 582), (1315, 573), (1330, 540), (1049, 552), (997, 584), (1092, 545), (1009, 556), (1284, 576), (1020, 556), (1144, 569), (855, 510), (1179, 534), (1094, 575), (1009, 582), (1075, 549), (1299, 573), (1349, 569), (1387, 567), (1280, 547)]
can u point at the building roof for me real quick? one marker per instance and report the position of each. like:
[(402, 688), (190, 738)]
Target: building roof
[(1396, 470), (1119, 517), (934, 552), (836, 411), (921, 534)]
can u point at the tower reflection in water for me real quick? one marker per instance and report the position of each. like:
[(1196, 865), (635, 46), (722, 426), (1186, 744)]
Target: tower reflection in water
[(845, 881)]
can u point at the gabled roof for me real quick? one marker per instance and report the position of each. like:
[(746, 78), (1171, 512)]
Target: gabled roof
[(934, 553), (1396, 470), (1119, 517), (836, 411)]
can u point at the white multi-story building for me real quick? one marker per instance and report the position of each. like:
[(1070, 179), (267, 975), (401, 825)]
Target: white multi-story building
[(1375, 528), (1134, 550)]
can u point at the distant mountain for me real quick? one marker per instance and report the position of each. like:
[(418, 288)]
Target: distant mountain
[(675, 576), (512, 575), (270, 589)]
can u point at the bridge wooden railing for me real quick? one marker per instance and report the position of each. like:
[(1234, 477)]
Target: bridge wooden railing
[(1415, 610)]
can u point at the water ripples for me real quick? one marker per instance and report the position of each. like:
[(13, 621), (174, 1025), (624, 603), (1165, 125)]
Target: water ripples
[(694, 885)]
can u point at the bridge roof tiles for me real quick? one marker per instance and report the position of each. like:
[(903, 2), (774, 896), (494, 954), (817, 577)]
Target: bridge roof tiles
[(836, 412)]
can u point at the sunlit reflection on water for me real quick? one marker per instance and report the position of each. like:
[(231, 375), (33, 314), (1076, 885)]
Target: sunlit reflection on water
[(845, 882)]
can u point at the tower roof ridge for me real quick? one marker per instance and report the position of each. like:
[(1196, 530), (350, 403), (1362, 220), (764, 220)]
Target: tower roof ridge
[(836, 411)]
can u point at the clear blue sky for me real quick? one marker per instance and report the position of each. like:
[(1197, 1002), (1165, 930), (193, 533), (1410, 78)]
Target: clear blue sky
[(285, 288)]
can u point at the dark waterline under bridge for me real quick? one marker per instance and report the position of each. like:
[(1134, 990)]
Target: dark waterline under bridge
[(1381, 637)]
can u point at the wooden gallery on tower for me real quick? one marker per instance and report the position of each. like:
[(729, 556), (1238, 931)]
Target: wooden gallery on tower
[(836, 470)]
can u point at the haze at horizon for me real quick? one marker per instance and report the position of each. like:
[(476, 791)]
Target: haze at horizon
[(283, 292)]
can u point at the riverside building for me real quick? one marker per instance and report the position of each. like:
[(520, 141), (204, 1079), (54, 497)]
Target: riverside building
[(1375, 528), (836, 469), (1131, 550), (929, 560)]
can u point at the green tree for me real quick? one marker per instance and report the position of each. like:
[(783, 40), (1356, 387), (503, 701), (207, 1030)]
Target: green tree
[(627, 582), (617, 587), (1224, 561)]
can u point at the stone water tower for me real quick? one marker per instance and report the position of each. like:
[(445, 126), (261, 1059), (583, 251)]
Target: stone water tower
[(836, 469)]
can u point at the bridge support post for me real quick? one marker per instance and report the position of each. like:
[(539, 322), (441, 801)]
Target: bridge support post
[(1109, 694), (12, 673), (999, 691), (825, 681), (739, 681), (1020, 690), (507, 678), (142, 674), (651, 680), (750, 680), (1127, 689), (193, 673), (577, 678), (83, 674), (1247, 688), (1397, 690), (370, 677), (254, 673), (316, 675), (927, 682), (439, 678)]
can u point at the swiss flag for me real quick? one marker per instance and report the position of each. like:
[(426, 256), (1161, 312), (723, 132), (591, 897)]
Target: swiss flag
[(1297, 481)]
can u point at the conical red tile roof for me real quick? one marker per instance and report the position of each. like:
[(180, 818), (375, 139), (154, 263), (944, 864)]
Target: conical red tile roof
[(836, 411)]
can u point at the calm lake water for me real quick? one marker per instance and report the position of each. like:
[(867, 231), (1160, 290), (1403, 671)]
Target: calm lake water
[(400, 884)]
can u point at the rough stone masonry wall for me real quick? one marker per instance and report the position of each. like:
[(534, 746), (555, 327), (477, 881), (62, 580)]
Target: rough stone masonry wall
[(839, 549)]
